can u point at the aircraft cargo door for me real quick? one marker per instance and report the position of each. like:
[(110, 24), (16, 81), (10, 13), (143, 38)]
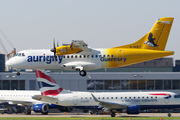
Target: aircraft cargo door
[(119, 57), (75, 100)]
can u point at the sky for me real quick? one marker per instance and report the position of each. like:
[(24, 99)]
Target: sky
[(33, 24)]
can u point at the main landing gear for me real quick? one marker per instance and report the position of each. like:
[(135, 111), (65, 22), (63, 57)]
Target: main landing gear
[(27, 111), (82, 73), (169, 114), (113, 114)]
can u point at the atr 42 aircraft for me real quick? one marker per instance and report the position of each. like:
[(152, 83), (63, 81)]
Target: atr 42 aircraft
[(13, 98), (79, 57), (130, 102)]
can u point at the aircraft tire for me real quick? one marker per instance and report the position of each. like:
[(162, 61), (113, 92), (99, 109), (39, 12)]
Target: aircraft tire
[(169, 114), (44, 113), (18, 73), (82, 73), (113, 114), (26, 112)]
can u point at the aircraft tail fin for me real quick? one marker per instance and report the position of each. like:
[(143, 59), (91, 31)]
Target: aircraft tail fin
[(47, 84), (156, 38)]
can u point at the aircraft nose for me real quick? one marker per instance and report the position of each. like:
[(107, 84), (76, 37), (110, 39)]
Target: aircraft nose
[(8, 63)]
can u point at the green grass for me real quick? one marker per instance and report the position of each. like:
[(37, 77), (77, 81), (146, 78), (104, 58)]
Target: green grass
[(89, 118)]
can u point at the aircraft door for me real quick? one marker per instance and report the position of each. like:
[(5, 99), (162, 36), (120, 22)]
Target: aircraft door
[(119, 57), (166, 101), (75, 100)]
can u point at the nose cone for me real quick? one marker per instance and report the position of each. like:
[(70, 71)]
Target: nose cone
[(9, 63)]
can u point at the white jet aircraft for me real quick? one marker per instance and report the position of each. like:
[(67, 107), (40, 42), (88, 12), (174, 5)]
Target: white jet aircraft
[(14, 98), (130, 102)]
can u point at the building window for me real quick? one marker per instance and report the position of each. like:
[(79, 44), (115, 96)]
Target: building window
[(133, 84), (176, 84), (107, 84), (124, 84), (141, 84), (167, 84), (14, 85), (158, 84), (150, 84), (6, 84), (90, 84), (116, 85), (99, 84)]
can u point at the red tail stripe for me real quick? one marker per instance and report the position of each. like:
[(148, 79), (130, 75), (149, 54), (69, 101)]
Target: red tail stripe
[(52, 92), (40, 74)]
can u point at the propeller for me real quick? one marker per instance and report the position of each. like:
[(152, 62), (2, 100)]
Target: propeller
[(54, 50)]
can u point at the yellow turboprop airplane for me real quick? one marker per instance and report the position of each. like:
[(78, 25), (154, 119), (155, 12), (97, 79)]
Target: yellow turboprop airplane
[(78, 56)]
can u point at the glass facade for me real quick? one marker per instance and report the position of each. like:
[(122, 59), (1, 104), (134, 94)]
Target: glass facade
[(12, 84), (133, 84)]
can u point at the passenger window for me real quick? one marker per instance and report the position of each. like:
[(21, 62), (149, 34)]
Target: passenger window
[(81, 97), (76, 56), (103, 97), (92, 56), (138, 97), (143, 97), (86, 97), (111, 97), (80, 56), (23, 54), (107, 55), (99, 55), (84, 56), (96, 56), (151, 97), (116, 97), (175, 96), (112, 56), (107, 97), (155, 97), (19, 54), (125, 97), (68, 56), (71, 56), (90, 98), (104, 55), (129, 97), (134, 97), (64, 56), (87, 56), (98, 97), (121, 97)]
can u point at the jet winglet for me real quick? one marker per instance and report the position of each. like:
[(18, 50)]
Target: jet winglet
[(95, 99)]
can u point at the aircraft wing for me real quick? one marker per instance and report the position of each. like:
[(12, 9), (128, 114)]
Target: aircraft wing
[(44, 98), (17, 102), (80, 44), (109, 105)]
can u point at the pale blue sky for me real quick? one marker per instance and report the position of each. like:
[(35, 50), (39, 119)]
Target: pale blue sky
[(100, 23)]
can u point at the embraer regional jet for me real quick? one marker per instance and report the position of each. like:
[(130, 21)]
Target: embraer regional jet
[(13, 98), (78, 56), (130, 102)]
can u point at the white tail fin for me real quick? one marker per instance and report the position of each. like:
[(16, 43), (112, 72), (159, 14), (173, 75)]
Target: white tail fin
[(47, 84)]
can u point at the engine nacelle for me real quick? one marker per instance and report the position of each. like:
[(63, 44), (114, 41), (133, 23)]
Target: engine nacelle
[(133, 110), (65, 109), (41, 108)]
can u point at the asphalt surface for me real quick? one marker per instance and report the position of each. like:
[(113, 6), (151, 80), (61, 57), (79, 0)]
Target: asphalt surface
[(87, 115)]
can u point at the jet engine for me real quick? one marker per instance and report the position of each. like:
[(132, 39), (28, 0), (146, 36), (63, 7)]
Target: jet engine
[(41, 108)]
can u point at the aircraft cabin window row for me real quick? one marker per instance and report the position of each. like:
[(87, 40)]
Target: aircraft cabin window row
[(86, 56), (176, 96), (16, 95)]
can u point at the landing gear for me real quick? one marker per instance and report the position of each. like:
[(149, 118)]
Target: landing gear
[(18, 73), (113, 114), (82, 73), (169, 114), (27, 112)]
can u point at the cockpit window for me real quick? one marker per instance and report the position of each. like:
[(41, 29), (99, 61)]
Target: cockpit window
[(176, 96), (20, 54)]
